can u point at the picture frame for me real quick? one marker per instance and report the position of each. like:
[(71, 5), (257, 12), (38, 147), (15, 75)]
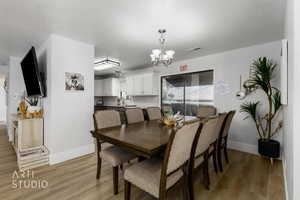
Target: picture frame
[(74, 81)]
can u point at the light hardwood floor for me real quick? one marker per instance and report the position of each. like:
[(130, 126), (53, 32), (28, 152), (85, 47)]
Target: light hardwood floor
[(245, 177)]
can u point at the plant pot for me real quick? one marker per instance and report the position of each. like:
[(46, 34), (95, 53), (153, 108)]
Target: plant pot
[(269, 148)]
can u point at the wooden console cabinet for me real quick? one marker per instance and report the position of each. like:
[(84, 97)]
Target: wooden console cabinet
[(28, 134), (28, 142)]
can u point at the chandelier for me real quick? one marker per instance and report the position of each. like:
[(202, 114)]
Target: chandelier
[(162, 56)]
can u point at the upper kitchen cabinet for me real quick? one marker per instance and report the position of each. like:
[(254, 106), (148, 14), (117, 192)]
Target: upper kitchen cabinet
[(129, 86), (142, 84), (98, 88), (108, 87)]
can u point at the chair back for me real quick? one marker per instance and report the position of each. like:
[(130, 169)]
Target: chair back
[(227, 124), (180, 145), (106, 119), (206, 136), (134, 115), (154, 113), (218, 127), (205, 111)]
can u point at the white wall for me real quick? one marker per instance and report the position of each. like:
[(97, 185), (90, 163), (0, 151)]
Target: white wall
[(228, 66), (4, 69), (292, 111), (296, 100), (288, 110), (16, 88), (3, 106), (68, 115), (3, 96)]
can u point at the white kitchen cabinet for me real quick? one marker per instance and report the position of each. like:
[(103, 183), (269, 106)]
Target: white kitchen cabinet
[(98, 88), (129, 85), (138, 85), (107, 87), (142, 84), (148, 84), (115, 87)]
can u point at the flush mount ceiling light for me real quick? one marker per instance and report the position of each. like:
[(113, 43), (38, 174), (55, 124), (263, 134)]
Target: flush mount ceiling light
[(162, 56), (102, 64)]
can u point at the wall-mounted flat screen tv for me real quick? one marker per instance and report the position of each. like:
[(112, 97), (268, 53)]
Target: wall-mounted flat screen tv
[(32, 77)]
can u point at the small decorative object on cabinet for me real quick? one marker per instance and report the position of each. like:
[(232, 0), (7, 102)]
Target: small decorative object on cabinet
[(33, 109), (263, 70)]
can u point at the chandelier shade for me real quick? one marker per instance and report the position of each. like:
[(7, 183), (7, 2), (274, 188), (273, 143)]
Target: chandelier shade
[(160, 56)]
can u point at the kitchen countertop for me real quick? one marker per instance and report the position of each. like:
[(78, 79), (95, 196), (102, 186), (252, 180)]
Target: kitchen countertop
[(114, 106)]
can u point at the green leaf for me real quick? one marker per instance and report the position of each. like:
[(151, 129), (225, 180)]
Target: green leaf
[(262, 72), (276, 100), (250, 109)]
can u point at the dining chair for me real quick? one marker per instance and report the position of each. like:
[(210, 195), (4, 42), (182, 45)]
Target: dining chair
[(158, 175), (154, 113), (205, 111), (222, 141), (200, 151), (114, 155), (134, 115), (220, 120)]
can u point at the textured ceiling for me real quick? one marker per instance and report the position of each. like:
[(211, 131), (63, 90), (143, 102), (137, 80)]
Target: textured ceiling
[(127, 29)]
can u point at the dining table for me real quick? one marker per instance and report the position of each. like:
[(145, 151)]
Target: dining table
[(145, 139)]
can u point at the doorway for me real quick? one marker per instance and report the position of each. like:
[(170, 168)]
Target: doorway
[(3, 98), (185, 92)]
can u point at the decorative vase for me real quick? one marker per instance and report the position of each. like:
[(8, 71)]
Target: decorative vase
[(269, 148)]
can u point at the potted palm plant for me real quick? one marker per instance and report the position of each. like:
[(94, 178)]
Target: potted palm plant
[(262, 73)]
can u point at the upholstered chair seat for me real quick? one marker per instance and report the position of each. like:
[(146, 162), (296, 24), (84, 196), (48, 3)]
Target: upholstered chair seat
[(146, 175), (154, 113), (116, 156)]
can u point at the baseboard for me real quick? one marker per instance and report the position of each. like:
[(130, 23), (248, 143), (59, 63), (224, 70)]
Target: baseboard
[(285, 179), (70, 154), (248, 148)]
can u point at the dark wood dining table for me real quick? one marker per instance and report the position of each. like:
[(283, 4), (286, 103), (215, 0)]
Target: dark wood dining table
[(144, 139)]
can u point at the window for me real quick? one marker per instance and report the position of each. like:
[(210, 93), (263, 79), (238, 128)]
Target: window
[(185, 92)]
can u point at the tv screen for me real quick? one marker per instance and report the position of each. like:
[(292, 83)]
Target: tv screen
[(31, 75)]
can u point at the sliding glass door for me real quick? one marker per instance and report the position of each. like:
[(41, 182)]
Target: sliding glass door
[(172, 97), (185, 92)]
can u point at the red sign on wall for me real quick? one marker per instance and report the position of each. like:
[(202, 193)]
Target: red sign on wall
[(183, 68)]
